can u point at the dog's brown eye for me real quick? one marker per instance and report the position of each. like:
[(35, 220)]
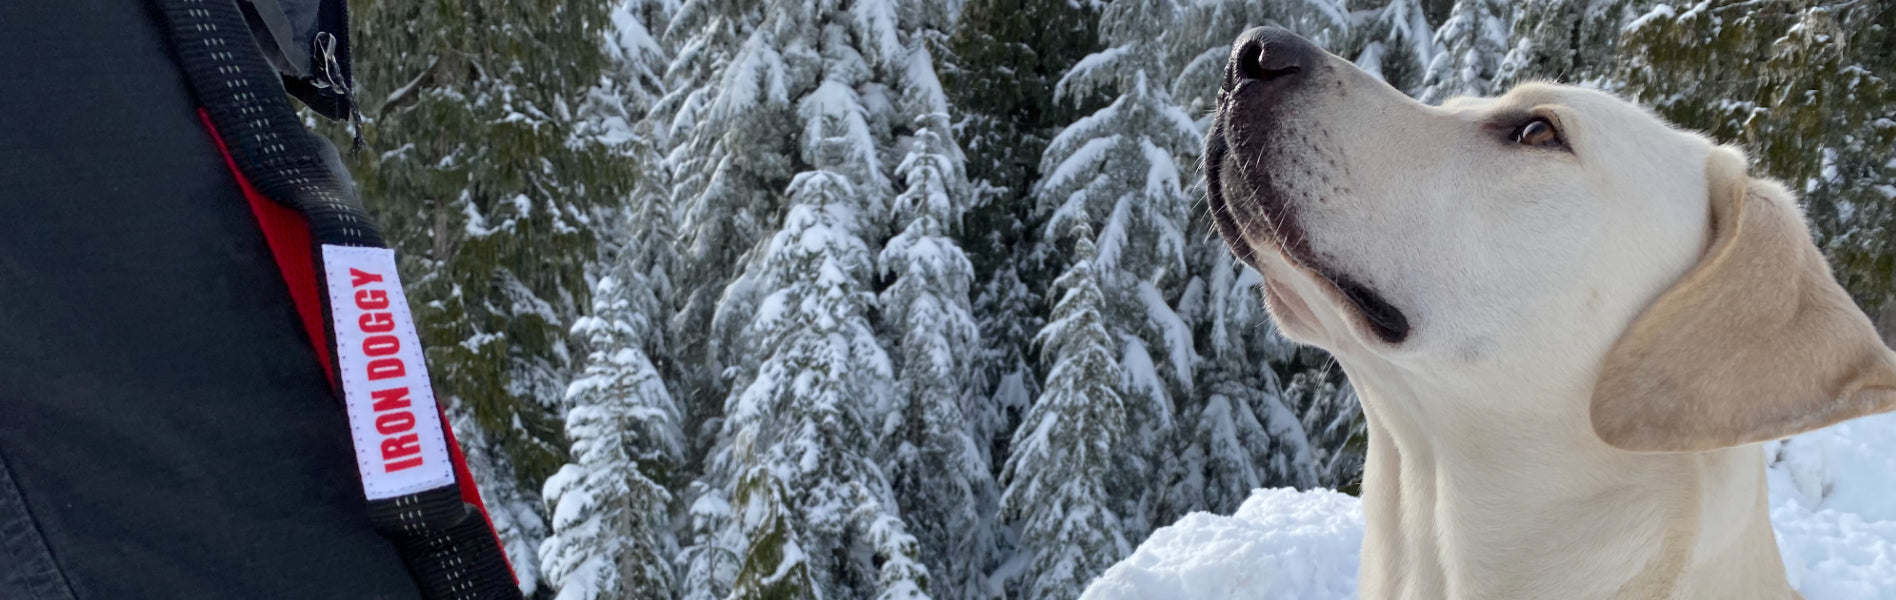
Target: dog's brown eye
[(1538, 132)]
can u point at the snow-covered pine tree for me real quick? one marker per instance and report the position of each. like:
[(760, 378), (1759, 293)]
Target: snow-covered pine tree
[(1123, 163), (1063, 464), (1395, 41), (639, 58), (612, 537), (1816, 109), (774, 565), (730, 125), (486, 178), (1562, 40), (1332, 417), (812, 382), (1002, 61), (708, 566), (728, 121), (812, 406), (939, 475), (1239, 433), (1473, 40), (639, 235)]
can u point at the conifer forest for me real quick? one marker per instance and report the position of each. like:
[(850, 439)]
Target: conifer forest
[(901, 299)]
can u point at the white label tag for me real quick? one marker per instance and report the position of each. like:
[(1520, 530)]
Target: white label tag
[(399, 447)]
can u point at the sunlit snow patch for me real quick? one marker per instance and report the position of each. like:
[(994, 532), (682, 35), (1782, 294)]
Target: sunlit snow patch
[(1833, 506), (1282, 544)]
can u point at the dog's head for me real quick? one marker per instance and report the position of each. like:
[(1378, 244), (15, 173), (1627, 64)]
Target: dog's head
[(1553, 232)]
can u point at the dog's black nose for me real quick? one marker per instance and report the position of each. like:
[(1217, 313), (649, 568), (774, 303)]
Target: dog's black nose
[(1270, 54)]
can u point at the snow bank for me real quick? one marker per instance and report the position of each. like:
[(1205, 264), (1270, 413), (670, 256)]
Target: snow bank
[(1282, 544), (1833, 505)]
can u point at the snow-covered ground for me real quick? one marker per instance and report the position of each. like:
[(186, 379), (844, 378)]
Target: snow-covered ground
[(1833, 504)]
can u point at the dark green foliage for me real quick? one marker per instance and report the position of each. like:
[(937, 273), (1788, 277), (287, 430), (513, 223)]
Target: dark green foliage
[(1568, 41), (1006, 56), (478, 181), (1003, 60), (1395, 39), (764, 574), (1806, 87)]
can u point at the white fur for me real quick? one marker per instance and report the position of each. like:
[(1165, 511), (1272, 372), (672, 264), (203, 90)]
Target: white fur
[(1518, 268)]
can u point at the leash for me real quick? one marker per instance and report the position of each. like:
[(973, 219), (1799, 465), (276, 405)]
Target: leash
[(342, 279)]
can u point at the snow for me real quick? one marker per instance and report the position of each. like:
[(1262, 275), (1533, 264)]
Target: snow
[(1656, 13), (1282, 544), (877, 25), (1082, 163), (755, 77), (1831, 506), (1178, 335), (1091, 73)]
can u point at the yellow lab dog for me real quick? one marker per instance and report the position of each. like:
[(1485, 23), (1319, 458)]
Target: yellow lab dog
[(1570, 325)]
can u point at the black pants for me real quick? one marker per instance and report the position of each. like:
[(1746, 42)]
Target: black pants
[(165, 428)]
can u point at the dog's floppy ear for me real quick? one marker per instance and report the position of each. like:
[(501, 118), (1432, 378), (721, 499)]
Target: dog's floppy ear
[(1756, 342)]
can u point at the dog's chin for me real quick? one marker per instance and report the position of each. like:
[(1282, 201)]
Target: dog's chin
[(1309, 302), (1292, 314)]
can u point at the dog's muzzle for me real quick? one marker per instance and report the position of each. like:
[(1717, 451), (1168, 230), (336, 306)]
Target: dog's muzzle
[(1252, 135)]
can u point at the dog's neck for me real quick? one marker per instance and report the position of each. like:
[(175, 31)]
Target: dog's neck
[(1508, 493)]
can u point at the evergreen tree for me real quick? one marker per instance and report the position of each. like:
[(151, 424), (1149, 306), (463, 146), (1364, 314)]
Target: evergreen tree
[(1562, 40), (1332, 419), (1003, 59), (611, 520), (1473, 40), (729, 118), (1816, 109), (1241, 433), (775, 565), (611, 525), (812, 381), (709, 565), (485, 178), (639, 58), (1395, 42), (939, 477), (1123, 162), (729, 121), (811, 406), (1064, 452)]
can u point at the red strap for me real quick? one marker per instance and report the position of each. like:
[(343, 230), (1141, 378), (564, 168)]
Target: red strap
[(287, 233)]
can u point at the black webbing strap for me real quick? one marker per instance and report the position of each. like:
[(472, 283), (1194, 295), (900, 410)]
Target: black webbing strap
[(447, 543)]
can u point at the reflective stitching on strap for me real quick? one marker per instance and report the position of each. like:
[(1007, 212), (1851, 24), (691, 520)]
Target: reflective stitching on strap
[(449, 546)]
